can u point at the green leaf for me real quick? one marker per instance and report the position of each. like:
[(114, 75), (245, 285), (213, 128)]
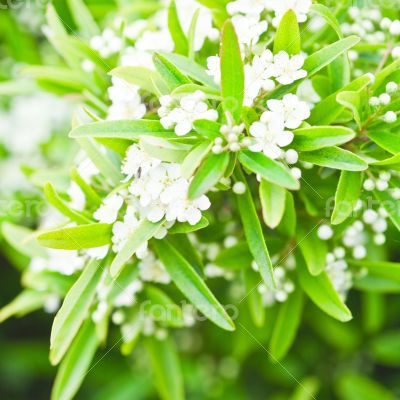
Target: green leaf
[(164, 150), (166, 368), (208, 175), (318, 113), (380, 269), (336, 158), (385, 348), (195, 157), (26, 302), (347, 195), (77, 237), (318, 137), (319, 60), (237, 257), (76, 363), (176, 31), (185, 227), (73, 311), (191, 285), (286, 325), (253, 231), (83, 19), (313, 249), (23, 240), (270, 170), (272, 202), (287, 37), (54, 199), (320, 290), (192, 34), (91, 196), (328, 16), (103, 163), (307, 389), (170, 74), (143, 77), (254, 298), (162, 308), (190, 68), (144, 232), (232, 72), (206, 128), (389, 161), (71, 80), (391, 205), (351, 101), (289, 221), (129, 129), (352, 386), (389, 141), (54, 22)]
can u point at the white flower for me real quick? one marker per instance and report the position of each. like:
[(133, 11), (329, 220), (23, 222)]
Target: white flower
[(249, 28), (77, 197), (270, 135), (152, 270), (300, 7), (128, 296), (286, 69), (155, 41), (292, 110), (108, 211), (99, 253), (133, 57), (396, 52), (107, 43), (325, 232), (214, 68), (137, 162), (250, 7), (126, 101), (257, 76), (191, 108)]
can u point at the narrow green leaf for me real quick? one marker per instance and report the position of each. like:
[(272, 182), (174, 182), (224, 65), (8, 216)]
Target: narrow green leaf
[(286, 325), (83, 19), (170, 74), (143, 77), (76, 363), (270, 170), (101, 160), (336, 158), (162, 308), (352, 386), (380, 269), (351, 101), (389, 161), (190, 68), (287, 37), (289, 221), (192, 34), (254, 298), (77, 237), (165, 150), (318, 113), (144, 232), (54, 22), (91, 196), (232, 72), (320, 290), (318, 137), (389, 141), (166, 368), (347, 195), (54, 199), (131, 130), (306, 390), (26, 302), (391, 205), (328, 16), (23, 240), (253, 231), (208, 175), (176, 31), (206, 128), (191, 285), (385, 349), (237, 257), (185, 227), (193, 160), (272, 202), (314, 255), (73, 311)]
